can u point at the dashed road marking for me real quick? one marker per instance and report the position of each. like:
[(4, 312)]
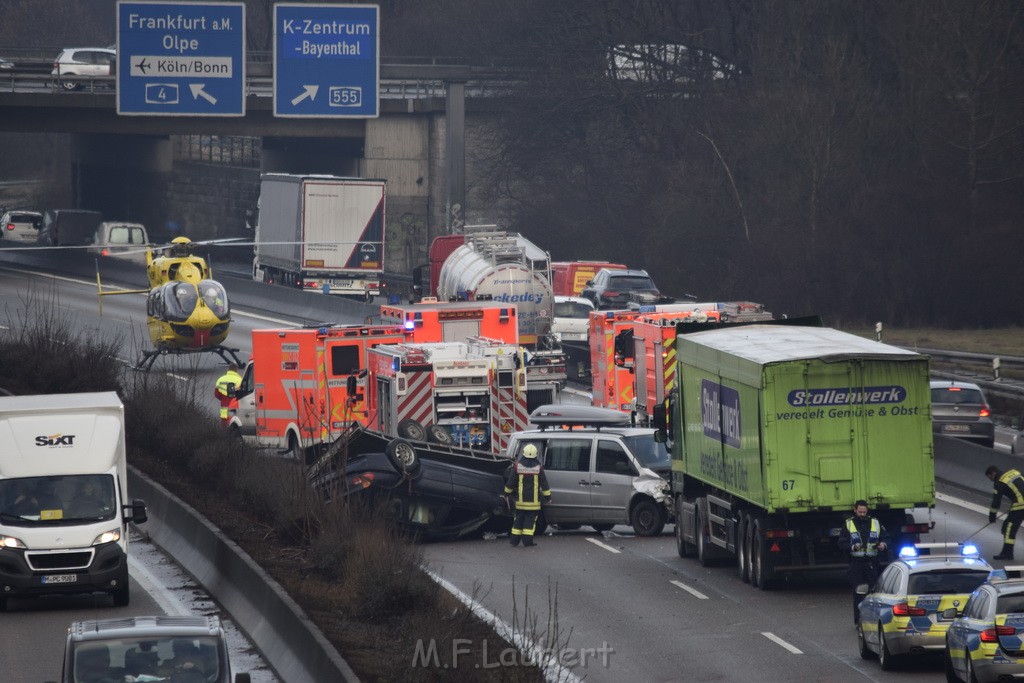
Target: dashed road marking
[(692, 591), (779, 641), (604, 545)]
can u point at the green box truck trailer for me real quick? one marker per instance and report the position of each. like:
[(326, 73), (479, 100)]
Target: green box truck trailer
[(777, 429)]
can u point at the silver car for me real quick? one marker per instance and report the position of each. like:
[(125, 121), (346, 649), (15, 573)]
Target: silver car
[(20, 226), (960, 409), (75, 65), (601, 471)]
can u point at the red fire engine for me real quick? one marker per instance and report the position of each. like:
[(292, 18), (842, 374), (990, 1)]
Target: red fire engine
[(465, 394), (451, 321), (435, 321), (306, 386)]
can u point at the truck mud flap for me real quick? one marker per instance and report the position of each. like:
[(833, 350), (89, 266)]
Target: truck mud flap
[(687, 518)]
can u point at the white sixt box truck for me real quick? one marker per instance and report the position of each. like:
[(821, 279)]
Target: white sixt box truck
[(64, 508), (321, 233)]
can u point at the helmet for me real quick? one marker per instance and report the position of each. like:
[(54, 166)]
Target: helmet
[(529, 451)]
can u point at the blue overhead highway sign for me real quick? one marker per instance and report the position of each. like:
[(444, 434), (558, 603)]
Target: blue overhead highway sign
[(180, 59), (326, 61)]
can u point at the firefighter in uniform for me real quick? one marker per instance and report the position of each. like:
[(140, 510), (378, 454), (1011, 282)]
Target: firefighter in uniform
[(228, 381), (1009, 484), (529, 483), (864, 537)]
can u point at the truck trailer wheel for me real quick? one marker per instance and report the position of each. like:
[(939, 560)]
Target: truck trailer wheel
[(683, 547), (702, 541), (411, 429), (743, 548), (403, 456), (763, 573)]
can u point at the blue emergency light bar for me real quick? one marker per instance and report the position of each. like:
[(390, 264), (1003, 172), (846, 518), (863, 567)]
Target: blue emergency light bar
[(908, 552)]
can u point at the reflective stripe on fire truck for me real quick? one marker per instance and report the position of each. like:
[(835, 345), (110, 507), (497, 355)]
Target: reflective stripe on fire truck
[(418, 402)]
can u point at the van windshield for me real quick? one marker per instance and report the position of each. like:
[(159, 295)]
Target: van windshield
[(649, 452), (164, 657), (572, 309), (56, 500)]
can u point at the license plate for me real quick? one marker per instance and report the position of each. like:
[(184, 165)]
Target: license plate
[(956, 428), (60, 578)]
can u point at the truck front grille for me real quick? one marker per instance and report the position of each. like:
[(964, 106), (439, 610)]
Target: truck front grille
[(44, 562)]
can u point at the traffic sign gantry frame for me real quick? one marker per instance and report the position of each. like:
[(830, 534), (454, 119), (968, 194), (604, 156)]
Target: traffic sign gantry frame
[(180, 58), (326, 61)]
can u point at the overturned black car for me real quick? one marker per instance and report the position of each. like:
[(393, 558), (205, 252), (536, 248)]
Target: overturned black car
[(438, 492)]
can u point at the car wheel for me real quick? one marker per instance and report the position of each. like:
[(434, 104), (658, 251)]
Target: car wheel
[(121, 597), (601, 528), (234, 432), (403, 456), (440, 435), (411, 429), (885, 658), (742, 557), (683, 547), (865, 651), (947, 665), (646, 518), (68, 85), (3, 604)]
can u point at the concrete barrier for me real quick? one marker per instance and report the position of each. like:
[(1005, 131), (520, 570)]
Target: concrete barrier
[(290, 643)]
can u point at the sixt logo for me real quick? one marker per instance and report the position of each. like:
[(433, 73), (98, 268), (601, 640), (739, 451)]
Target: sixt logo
[(56, 440), (520, 298), (847, 396)]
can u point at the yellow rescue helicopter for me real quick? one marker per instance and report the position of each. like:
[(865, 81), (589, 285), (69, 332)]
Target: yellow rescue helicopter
[(187, 310)]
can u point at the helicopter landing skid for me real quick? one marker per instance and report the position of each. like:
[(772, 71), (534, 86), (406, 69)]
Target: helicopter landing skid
[(227, 354)]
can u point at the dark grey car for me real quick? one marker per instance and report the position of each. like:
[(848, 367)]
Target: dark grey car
[(960, 409), (614, 288)]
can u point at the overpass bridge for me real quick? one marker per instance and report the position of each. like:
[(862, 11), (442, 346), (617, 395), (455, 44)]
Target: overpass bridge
[(136, 167)]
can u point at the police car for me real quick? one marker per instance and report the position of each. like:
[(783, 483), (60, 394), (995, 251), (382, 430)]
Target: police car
[(916, 599), (985, 642)]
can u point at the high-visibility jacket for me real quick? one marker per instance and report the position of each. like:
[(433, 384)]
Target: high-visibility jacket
[(868, 546), (528, 482), (221, 390), (1010, 485)]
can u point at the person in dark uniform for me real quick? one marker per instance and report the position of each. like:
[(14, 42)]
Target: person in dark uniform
[(863, 537), (529, 484), (1009, 485)]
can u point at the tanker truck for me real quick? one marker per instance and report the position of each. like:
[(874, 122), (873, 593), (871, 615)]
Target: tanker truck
[(777, 428), (495, 265)]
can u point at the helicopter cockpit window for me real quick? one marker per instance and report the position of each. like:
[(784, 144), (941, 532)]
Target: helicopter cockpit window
[(180, 300), (214, 297)]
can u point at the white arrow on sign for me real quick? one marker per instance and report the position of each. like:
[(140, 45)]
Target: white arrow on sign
[(197, 92), (307, 91)]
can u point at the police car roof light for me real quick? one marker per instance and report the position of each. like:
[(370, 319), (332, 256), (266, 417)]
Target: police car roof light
[(908, 552), (969, 550), (410, 325)]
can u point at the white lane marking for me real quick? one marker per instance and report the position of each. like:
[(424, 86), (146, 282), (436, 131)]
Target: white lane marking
[(692, 591), (973, 507), (553, 671), (779, 641), (605, 546)]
